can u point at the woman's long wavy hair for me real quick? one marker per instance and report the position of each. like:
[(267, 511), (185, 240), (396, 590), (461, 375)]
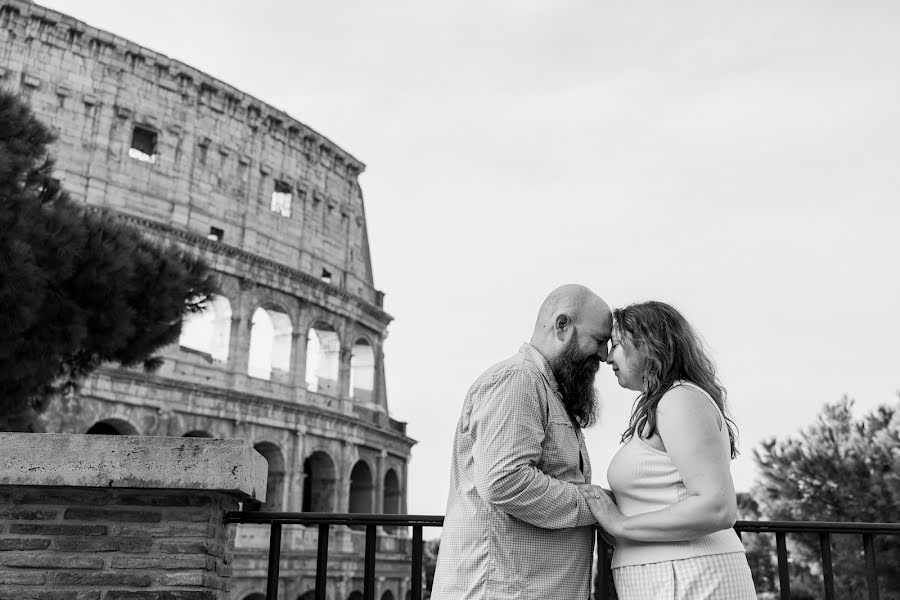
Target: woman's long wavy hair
[(669, 351)]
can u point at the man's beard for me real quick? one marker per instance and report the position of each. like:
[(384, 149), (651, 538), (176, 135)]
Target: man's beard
[(575, 376)]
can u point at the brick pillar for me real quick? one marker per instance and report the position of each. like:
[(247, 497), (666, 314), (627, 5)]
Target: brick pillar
[(403, 490), (294, 473), (379, 394), (298, 359), (343, 479), (344, 372), (379, 483), (137, 517)]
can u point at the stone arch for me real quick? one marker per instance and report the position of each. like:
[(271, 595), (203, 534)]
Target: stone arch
[(112, 427), (198, 433), (323, 351), (271, 334), (209, 330), (392, 493), (362, 371), (387, 595), (319, 478), (275, 476), (362, 489)]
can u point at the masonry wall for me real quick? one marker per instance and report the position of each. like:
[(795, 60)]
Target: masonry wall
[(120, 517), (219, 155), (220, 152), (113, 544)]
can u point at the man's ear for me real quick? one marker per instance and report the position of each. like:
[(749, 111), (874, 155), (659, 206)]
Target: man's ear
[(560, 323)]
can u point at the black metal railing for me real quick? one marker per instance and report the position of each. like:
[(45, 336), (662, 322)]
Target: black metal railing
[(603, 583), (324, 521), (825, 530)]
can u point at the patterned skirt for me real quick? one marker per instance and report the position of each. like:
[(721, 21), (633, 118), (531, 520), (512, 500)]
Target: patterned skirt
[(713, 577)]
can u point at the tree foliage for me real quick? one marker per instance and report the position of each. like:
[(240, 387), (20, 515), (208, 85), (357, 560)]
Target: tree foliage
[(840, 468), (78, 287)]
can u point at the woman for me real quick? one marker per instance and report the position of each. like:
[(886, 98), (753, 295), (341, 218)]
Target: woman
[(673, 503)]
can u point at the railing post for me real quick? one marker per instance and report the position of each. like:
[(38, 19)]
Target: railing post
[(827, 565), (322, 562), (871, 573), (369, 572), (603, 583), (416, 575), (784, 575), (274, 561)]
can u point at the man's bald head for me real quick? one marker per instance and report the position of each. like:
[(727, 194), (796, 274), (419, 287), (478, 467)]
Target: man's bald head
[(572, 332), (575, 301)]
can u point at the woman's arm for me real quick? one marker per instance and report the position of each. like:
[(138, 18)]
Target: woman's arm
[(690, 427)]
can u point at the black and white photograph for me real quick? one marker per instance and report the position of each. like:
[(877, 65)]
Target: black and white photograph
[(449, 300)]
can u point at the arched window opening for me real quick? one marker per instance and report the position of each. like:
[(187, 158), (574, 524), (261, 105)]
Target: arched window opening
[(355, 595), (112, 427), (274, 477), (318, 483), (323, 349), (387, 595), (209, 330), (362, 371), (361, 488), (391, 493), (198, 433), (270, 343)]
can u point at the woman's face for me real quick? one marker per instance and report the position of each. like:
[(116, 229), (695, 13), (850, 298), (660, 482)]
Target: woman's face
[(625, 362)]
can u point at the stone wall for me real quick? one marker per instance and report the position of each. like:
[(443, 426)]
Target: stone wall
[(218, 156), (219, 152), (120, 518)]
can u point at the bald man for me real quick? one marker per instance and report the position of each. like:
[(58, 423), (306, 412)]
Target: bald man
[(516, 524)]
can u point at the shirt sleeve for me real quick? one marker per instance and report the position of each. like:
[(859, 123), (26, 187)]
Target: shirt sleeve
[(508, 429)]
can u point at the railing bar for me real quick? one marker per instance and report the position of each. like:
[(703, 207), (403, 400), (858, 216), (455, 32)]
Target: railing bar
[(604, 574), (827, 565), (784, 576), (438, 521), (416, 575), (871, 572), (369, 572), (274, 561), (335, 519), (322, 562)]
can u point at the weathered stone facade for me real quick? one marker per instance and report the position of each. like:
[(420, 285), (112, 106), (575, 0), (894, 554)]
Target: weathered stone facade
[(277, 210)]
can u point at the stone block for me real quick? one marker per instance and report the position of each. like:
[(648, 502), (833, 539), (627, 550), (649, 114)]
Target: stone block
[(35, 560), (33, 459), (7, 544)]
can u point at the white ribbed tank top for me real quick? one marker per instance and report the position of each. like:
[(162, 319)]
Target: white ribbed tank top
[(644, 479)]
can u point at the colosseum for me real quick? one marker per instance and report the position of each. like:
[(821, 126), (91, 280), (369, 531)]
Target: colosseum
[(289, 355)]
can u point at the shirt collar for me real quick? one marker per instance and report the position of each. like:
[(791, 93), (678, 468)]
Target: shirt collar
[(531, 353)]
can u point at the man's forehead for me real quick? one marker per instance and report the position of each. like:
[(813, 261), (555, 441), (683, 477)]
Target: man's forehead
[(601, 325)]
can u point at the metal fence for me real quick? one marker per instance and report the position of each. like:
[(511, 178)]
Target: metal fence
[(603, 583)]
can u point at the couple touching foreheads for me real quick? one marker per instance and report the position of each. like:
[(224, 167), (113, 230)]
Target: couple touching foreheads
[(521, 509)]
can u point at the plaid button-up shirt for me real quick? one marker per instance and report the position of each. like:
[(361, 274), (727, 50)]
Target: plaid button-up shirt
[(516, 525)]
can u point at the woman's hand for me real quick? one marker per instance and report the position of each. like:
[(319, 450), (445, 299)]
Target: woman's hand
[(602, 503)]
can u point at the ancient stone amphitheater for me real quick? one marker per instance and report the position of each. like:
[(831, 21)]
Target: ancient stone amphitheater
[(290, 354)]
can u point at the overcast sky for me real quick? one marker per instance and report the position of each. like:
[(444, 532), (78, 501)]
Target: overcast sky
[(740, 160)]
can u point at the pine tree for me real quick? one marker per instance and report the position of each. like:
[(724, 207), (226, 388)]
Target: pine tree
[(838, 469), (78, 287)]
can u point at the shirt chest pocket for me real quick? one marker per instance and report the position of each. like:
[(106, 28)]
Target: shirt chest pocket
[(561, 457)]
